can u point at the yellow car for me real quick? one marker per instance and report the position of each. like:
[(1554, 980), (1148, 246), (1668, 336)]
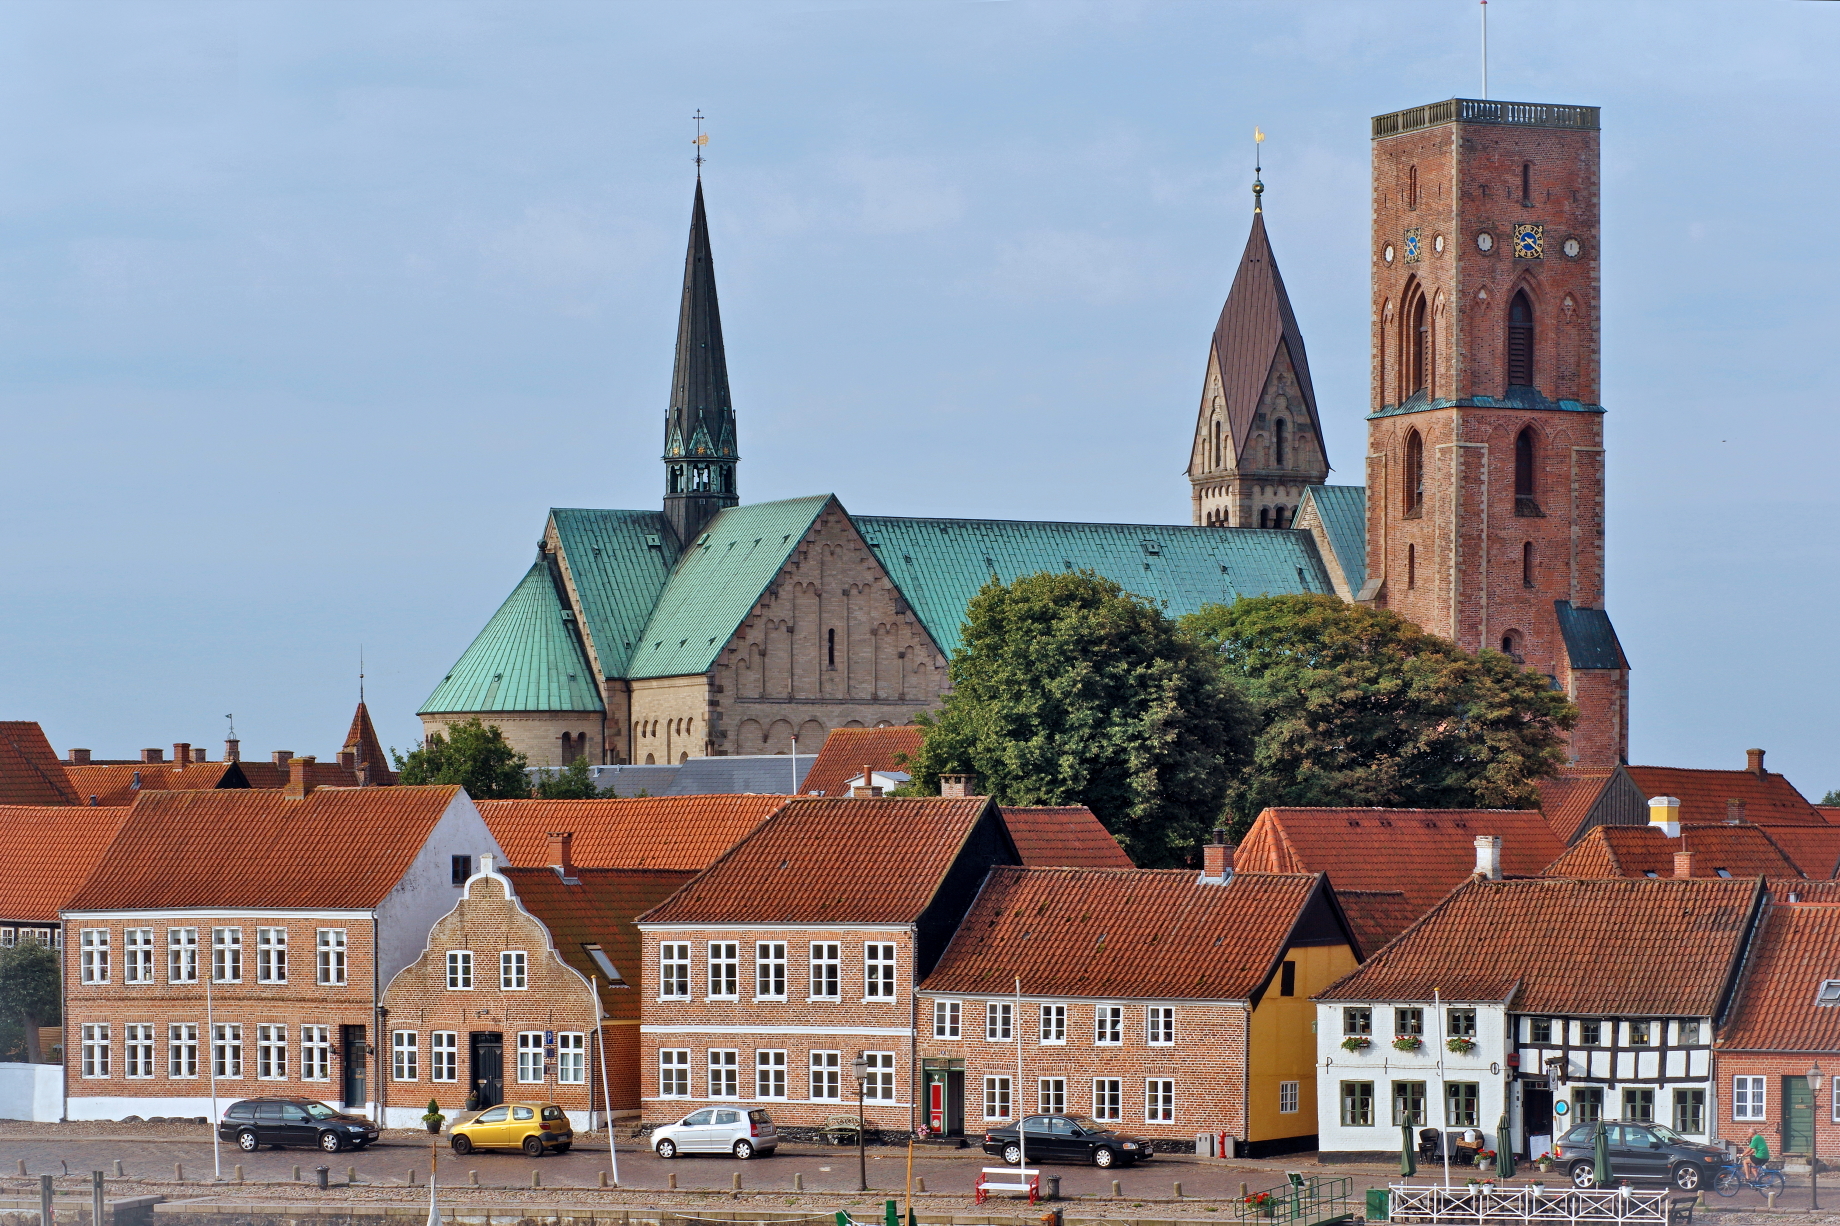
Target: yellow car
[(535, 1128)]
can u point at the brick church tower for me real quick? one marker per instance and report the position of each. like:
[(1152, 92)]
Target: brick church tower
[(1485, 466)]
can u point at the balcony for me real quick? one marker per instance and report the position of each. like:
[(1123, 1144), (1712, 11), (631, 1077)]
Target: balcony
[(1483, 110)]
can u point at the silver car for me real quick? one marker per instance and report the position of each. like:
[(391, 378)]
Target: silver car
[(718, 1130)]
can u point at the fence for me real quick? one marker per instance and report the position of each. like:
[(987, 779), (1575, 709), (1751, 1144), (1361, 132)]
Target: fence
[(1300, 1201), (1611, 1206)]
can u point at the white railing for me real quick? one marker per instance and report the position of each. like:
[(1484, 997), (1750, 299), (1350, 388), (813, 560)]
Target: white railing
[(1438, 1204)]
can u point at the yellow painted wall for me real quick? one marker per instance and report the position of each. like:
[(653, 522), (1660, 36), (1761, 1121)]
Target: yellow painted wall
[(1283, 1045)]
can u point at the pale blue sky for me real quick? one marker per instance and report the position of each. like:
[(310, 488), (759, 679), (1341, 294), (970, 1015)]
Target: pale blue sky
[(308, 311)]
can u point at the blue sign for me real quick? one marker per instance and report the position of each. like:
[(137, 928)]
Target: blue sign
[(1561, 1107)]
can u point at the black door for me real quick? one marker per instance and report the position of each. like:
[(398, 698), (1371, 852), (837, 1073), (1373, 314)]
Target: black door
[(353, 1060), (488, 1068), (296, 1126), (1537, 1119), (955, 1102)]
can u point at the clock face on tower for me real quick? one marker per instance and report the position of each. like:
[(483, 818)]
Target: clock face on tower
[(1485, 241), (1572, 247), (1412, 246), (1529, 240)]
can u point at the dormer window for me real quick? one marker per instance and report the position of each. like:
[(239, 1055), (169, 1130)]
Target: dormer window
[(1828, 993)]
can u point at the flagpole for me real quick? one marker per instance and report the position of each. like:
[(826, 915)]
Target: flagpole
[(210, 1027), (1437, 1001), (1485, 48), (600, 1032), (1022, 1143)]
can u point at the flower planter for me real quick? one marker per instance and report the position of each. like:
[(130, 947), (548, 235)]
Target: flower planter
[(1408, 1042), (1355, 1042)]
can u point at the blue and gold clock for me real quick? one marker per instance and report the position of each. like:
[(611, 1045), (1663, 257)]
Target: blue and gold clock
[(1529, 241), (1412, 245)]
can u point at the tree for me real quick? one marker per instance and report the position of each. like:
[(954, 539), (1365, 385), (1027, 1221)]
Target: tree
[(474, 755), (1832, 798), (573, 782), (29, 992), (1357, 706), (1069, 690)]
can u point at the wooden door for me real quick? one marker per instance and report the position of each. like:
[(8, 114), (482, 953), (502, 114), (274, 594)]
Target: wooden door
[(1798, 1115)]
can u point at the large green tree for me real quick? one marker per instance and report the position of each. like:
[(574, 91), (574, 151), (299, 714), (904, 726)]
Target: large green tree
[(573, 782), (1069, 690), (1357, 706), (29, 996), (474, 755)]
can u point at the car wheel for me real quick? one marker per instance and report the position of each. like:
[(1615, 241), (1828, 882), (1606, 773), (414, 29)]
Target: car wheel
[(1583, 1174), (331, 1142), (248, 1142), (1103, 1157), (1012, 1154), (743, 1150), (666, 1148), (533, 1147), (1686, 1177), (462, 1144)]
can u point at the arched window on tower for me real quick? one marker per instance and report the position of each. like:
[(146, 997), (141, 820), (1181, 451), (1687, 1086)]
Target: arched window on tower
[(1411, 187), (1415, 475), (830, 647), (1527, 564), (1511, 646), (1525, 466), (1411, 566), (1264, 517), (1279, 440), (1526, 182), (1216, 442), (1520, 341)]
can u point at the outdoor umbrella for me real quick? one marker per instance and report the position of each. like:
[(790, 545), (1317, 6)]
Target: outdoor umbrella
[(1408, 1162), (1600, 1158), (1504, 1153)]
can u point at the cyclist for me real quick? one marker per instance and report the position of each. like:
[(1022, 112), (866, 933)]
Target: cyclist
[(1756, 1154)]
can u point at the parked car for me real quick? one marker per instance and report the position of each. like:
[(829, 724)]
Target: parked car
[(255, 1122), (1640, 1151), (537, 1128), (718, 1130), (1064, 1138)]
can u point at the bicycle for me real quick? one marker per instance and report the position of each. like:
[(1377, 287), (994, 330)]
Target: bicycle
[(1730, 1178)]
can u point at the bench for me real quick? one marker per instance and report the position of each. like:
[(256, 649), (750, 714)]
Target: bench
[(1008, 1179)]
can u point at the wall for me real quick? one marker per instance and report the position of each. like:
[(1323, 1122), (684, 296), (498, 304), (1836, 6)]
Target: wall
[(1773, 1067), (1382, 1064), (1283, 1047), (32, 1092), (535, 734), (427, 891)]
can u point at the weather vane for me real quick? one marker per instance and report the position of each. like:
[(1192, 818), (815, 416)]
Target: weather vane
[(702, 138), (1258, 169)]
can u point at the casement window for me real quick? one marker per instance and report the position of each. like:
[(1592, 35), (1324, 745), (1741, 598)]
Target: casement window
[(1460, 1023), (879, 1085), (530, 1057), (673, 971), (95, 1049), (996, 1098), (1690, 1111), (182, 1049), (1160, 1100), (1639, 1105), (1686, 1035), (1054, 1023), (1408, 1022), (1641, 1034), (1288, 1097), (227, 1049), (826, 971), (271, 955), (93, 950), (513, 971), (1462, 1103), (674, 1072), (444, 1056), (827, 1076), (1357, 1020), (1539, 1030), (1051, 1095), (1590, 1034), (724, 970), (330, 944), (1588, 1104), (572, 1057), (8, 937), (460, 970), (137, 956), (946, 1018), (999, 1021), (724, 1073), (316, 1053), (878, 970), (1160, 1025), (271, 1053), (406, 1056), (1108, 1098), (226, 955), (1408, 1104), (770, 970), (137, 1049), (1357, 1104), (459, 869), (1108, 1027), (770, 1074)]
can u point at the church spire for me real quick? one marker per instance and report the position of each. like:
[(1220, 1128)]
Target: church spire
[(699, 430)]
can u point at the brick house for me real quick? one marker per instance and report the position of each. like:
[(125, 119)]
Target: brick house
[(1160, 1001), (234, 943)]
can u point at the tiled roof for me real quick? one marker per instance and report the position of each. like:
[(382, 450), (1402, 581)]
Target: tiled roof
[(1254, 324), (269, 776), (338, 848), (847, 749), (526, 659), (50, 851), (617, 563), (1813, 849), (597, 906), (30, 773), (1377, 916), (1829, 813), (1566, 800), (1063, 836), (1156, 933), (832, 861), (685, 832), (115, 785), (1641, 851), (1796, 951), (362, 741), (1343, 510), (1423, 853), (1611, 946), (1768, 798)]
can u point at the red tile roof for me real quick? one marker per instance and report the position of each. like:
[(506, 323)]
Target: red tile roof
[(30, 773), (1768, 798), (598, 905), (674, 832), (1377, 916), (1423, 853), (1063, 836), (340, 848), (117, 785), (1641, 851), (1611, 946), (50, 851), (1829, 814), (846, 750), (1566, 800), (1123, 932), (823, 861), (1814, 849), (270, 777), (1796, 951)]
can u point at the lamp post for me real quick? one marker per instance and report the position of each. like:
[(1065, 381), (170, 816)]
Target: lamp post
[(860, 1066), (1814, 1114)]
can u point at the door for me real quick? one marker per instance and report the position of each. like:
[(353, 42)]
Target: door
[(488, 1055), (695, 1134), (354, 1051), (730, 1127), (1798, 1115), (1037, 1139), (1640, 1155), (296, 1126), (491, 1127), (955, 1102), (1537, 1119), (936, 1102)]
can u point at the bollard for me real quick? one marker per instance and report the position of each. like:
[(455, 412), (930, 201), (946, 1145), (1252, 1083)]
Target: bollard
[(603, 1179), (351, 1176), (536, 1179), (178, 1172), (297, 1172), (1054, 1193), (45, 1212), (737, 1181), (22, 1168), (670, 1181), (920, 1184), (239, 1172), (1768, 1197), (798, 1181), (474, 1175), (412, 1177), (1116, 1192), (320, 1174), (1244, 1191), (118, 1170), (1178, 1189), (96, 1202)]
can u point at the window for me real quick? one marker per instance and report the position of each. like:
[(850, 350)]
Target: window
[(999, 1019), (1408, 1021), (1051, 1095), (1160, 1100), (8, 936), (1687, 1033), (1357, 1103), (95, 1048), (1357, 1021), (674, 971), (1588, 1104), (996, 1098), (724, 970), (770, 970), (1690, 1111), (1278, 440), (137, 1047), (1828, 994), (946, 1016), (1287, 979), (1639, 1105), (572, 1057), (182, 1049), (600, 959), (182, 955), (1415, 475), (880, 1085), (227, 955), (1526, 182), (1527, 564), (1411, 566), (1462, 1023), (769, 1074), (1520, 341), (462, 869), (830, 647), (1108, 1024), (1524, 469), (1416, 345), (1287, 1097), (1054, 1023), (1462, 1100), (330, 944), (137, 956), (460, 970), (1539, 1030), (271, 1054), (316, 1052), (271, 955), (405, 1055), (1408, 1103), (1160, 1025), (724, 1074), (1590, 1034), (674, 1072), (1641, 1034), (1747, 1100), (1411, 187), (827, 1076), (94, 948), (227, 1049), (530, 1056), (1108, 1098), (826, 971), (879, 963), (513, 971)]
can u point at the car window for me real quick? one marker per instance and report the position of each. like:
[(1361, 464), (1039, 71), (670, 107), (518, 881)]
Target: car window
[(268, 1111), (1036, 1123), (1637, 1136), (1667, 1134), (1086, 1123), (241, 1111), (1580, 1135), (320, 1111), (495, 1116), (293, 1114), (699, 1117), (760, 1117), (1061, 1128), (523, 1113), (728, 1117), (552, 1113)]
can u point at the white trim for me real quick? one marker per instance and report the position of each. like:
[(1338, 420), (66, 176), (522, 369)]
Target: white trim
[(745, 1028), (765, 1102), (154, 915), (840, 926), (1189, 1001)]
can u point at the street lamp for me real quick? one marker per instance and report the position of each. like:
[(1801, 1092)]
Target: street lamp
[(1814, 1114), (860, 1066)]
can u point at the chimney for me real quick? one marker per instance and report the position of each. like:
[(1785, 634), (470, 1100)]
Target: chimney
[(1753, 762), (198, 754), (1683, 864), (958, 787), (182, 753), (233, 750), (348, 759), (300, 782), (560, 845), (281, 757), (866, 790), (1217, 858), (153, 755), (487, 863), (1734, 812), (1664, 815), (79, 757), (1488, 856)]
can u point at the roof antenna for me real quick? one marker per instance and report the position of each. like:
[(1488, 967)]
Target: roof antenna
[(232, 720), (360, 674), (1258, 185), (1485, 48), (702, 138)]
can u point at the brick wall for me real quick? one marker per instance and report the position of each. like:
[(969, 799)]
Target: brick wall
[(1773, 1069)]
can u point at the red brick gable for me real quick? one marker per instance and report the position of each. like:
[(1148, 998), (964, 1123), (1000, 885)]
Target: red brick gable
[(49, 856), (598, 905), (30, 773), (1063, 836), (665, 832), (1794, 953), (846, 750)]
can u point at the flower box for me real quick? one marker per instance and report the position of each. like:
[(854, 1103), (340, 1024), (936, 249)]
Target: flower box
[(1462, 1046), (1408, 1042), (1356, 1042)]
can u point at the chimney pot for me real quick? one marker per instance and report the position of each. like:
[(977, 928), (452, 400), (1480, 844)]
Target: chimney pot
[(233, 750), (867, 789), (1753, 762), (1683, 864), (281, 757), (300, 778), (1664, 815), (1488, 856), (1734, 812), (79, 757), (561, 847), (182, 752), (958, 786), (153, 755)]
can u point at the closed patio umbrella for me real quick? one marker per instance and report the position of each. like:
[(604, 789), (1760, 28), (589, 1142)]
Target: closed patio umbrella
[(1408, 1161), (1504, 1151), (1600, 1158)]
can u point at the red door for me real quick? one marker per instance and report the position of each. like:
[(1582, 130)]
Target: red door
[(936, 1106)]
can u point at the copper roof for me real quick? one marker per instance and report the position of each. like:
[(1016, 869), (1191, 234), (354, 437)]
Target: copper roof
[(1643, 851), (120, 784), (1796, 951), (1768, 797), (1377, 916), (49, 853), (30, 773), (1063, 836), (597, 905), (670, 832), (846, 750)]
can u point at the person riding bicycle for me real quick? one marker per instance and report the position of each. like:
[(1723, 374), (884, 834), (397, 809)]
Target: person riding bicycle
[(1756, 1154)]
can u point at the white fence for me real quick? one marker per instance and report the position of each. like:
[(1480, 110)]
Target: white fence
[(1438, 1204), (32, 1092)]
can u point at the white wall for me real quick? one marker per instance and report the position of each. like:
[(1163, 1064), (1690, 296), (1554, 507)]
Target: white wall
[(1434, 1064), (426, 891), (32, 1092)]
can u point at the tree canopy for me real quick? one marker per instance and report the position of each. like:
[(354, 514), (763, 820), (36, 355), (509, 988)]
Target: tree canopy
[(29, 996), (474, 755), (573, 782)]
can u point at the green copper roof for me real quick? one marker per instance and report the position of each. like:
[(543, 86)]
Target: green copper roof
[(619, 561), (940, 564), (526, 659), (1344, 515), (717, 582)]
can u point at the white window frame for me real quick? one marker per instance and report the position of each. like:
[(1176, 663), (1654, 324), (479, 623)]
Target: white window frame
[(723, 1069), (513, 971), (1051, 1095), (879, 962), (724, 979), (1159, 1100), (459, 970), (182, 1050), (271, 955), (826, 1076), (405, 1055), (571, 1057), (330, 944), (999, 1021), (770, 1073), (95, 1036), (227, 1050), (674, 1072), (997, 1098), (8, 936), (271, 1052), (1108, 1027), (530, 1054), (948, 1019), (1107, 1096), (1160, 1025), (137, 956), (769, 970), (1749, 1098), (93, 956), (1291, 1093), (137, 1050), (316, 1053), (226, 955), (181, 955), (443, 1055), (1053, 1025), (826, 971), (674, 970), (879, 1087)]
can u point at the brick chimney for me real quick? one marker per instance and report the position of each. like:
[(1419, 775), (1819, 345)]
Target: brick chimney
[(867, 789), (233, 750), (281, 757), (561, 844), (300, 782), (1734, 812), (198, 754), (79, 757), (182, 752), (153, 755), (348, 758), (1753, 762), (958, 787), (1664, 815), (1683, 864), (1488, 856), (1217, 858)]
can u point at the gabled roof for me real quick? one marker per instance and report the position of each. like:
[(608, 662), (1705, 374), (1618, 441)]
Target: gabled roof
[(1829, 813), (1643, 851), (362, 741), (1157, 933), (526, 659), (1768, 798), (1343, 511), (616, 563), (1590, 639), (1566, 800), (1795, 952), (50, 852), (1423, 853), (597, 906), (847, 750), (120, 785), (1610, 946), (1255, 323), (341, 848), (1377, 916), (30, 773), (1813, 849), (823, 861), (1063, 836), (685, 832)]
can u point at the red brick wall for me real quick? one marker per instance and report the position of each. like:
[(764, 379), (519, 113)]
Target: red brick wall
[(1773, 1068)]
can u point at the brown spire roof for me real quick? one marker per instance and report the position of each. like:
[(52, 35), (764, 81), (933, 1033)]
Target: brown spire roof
[(1254, 324), (362, 741)]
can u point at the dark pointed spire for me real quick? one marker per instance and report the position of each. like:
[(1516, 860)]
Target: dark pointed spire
[(1255, 329), (699, 430)]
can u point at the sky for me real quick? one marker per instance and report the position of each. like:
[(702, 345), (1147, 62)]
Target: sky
[(310, 311)]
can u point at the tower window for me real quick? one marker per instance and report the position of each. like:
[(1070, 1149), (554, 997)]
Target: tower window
[(1511, 646), (1416, 344), (1411, 566), (1216, 444), (1415, 475), (1520, 341), (1524, 468), (831, 646), (1278, 439), (1411, 187), (1527, 564), (1264, 517), (1277, 516), (1527, 182)]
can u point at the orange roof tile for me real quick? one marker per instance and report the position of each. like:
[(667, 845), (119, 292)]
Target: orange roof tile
[(674, 832), (1829, 813), (1612, 946), (846, 750), (339, 848), (598, 905), (1125, 932), (1566, 800), (1769, 799), (1423, 853), (30, 773), (1377, 916), (268, 776), (119, 785), (1063, 836), (1815, 850), (1797, 950), (50, 851), (1641, 851)]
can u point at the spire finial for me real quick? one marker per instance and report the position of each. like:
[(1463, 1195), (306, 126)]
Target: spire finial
[(1258, 186), (360, 674), (702, 138)]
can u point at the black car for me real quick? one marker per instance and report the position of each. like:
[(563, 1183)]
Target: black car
[(255, 1122), (1064, 1138), (1640, 1151)]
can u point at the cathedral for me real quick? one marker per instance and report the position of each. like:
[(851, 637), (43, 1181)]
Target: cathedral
[(714, 627)]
